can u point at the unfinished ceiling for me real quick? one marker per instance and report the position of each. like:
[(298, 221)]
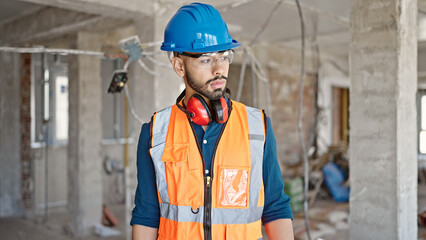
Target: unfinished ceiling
[(327, 20), (11, 9)]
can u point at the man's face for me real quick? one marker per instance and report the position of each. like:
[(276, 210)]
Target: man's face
[(212, 87), (207, 79)]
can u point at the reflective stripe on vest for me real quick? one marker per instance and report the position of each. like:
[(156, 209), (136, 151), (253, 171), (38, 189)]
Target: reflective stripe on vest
[(160, 124), (229, 215), (219, 215), (256, 137)]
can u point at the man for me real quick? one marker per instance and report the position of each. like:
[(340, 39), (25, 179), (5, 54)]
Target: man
[(207, 166)]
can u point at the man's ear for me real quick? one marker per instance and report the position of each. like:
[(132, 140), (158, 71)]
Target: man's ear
[(178, 66)]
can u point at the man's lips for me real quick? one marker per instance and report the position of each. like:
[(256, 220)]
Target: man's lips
[(218, 83)]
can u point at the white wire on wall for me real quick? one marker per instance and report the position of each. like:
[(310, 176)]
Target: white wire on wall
[(260, 74), (51, 50), (67, 51), (299, 123), (132, 110), (145, 67), (151, 59), (234, 5), (242, 74)]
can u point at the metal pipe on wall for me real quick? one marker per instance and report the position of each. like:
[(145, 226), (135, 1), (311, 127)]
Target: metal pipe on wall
[(46, 118)]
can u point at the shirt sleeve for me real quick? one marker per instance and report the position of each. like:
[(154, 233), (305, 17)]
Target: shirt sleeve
[(147, 210), (277, 203)]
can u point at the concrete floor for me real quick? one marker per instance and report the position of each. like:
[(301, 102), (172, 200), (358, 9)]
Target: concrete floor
[(55, 228), (327, 220)]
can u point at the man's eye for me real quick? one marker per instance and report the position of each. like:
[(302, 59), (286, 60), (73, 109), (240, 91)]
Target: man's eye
[(224, 58), (205, 60)]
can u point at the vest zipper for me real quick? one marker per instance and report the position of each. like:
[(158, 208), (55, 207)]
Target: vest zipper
[(207, 191), (208, 209), (208, 181)]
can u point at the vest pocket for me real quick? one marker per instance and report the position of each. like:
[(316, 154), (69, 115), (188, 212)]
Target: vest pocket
[(175, 153), (175, 158), (233, 187)]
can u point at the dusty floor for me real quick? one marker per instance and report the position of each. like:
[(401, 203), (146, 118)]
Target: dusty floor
[(328, 221), (55, 228)]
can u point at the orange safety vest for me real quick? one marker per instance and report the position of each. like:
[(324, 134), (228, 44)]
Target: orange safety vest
[(226, 205)]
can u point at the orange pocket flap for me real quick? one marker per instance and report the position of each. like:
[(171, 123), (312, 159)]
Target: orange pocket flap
[(175, 153)]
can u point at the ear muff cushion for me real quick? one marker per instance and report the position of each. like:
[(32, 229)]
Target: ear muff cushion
[(199, 110), (220, 110)]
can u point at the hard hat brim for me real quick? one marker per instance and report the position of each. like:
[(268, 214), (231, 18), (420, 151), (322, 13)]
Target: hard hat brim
[(214, 48)]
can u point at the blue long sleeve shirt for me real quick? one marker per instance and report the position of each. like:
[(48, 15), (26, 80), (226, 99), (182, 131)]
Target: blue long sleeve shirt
[(147, 211)]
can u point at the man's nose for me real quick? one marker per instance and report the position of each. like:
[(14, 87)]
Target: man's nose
[(219, 67)]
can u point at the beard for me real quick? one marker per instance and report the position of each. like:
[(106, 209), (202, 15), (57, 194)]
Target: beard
[(203, 88)]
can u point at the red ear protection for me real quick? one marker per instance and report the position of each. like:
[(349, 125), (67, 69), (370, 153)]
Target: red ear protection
[(198, 111), (220, 110)]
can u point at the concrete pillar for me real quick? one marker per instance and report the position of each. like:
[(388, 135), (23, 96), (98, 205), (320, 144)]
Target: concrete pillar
[(383, 136), (10, 135), (85, 136)]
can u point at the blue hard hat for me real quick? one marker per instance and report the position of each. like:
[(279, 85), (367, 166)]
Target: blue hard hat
[(197, 27)]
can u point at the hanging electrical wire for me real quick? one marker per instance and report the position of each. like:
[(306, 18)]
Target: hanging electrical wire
[(151, 59), (266, 23), (253, 83), (64, 51), (299, 123), (51, 50), (145, 67), (120, 76), (235, 4), (242, 74), (132, 110), (316, 63), (260, 73)]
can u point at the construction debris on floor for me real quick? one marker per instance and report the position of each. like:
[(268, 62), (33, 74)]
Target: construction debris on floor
[(327, 220)]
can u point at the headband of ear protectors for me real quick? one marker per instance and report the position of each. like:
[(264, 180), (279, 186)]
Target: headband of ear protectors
[(198, 110)]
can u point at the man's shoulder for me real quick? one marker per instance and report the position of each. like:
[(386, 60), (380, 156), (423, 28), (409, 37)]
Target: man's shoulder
[(165, 109), (242, 105)]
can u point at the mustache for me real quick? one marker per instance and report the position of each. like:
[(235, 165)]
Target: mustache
[(217, 78)]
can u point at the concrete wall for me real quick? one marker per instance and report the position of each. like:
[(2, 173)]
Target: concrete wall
[(283, 65), (10, 137), (285, 95), (422, 65), (57, 178)]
